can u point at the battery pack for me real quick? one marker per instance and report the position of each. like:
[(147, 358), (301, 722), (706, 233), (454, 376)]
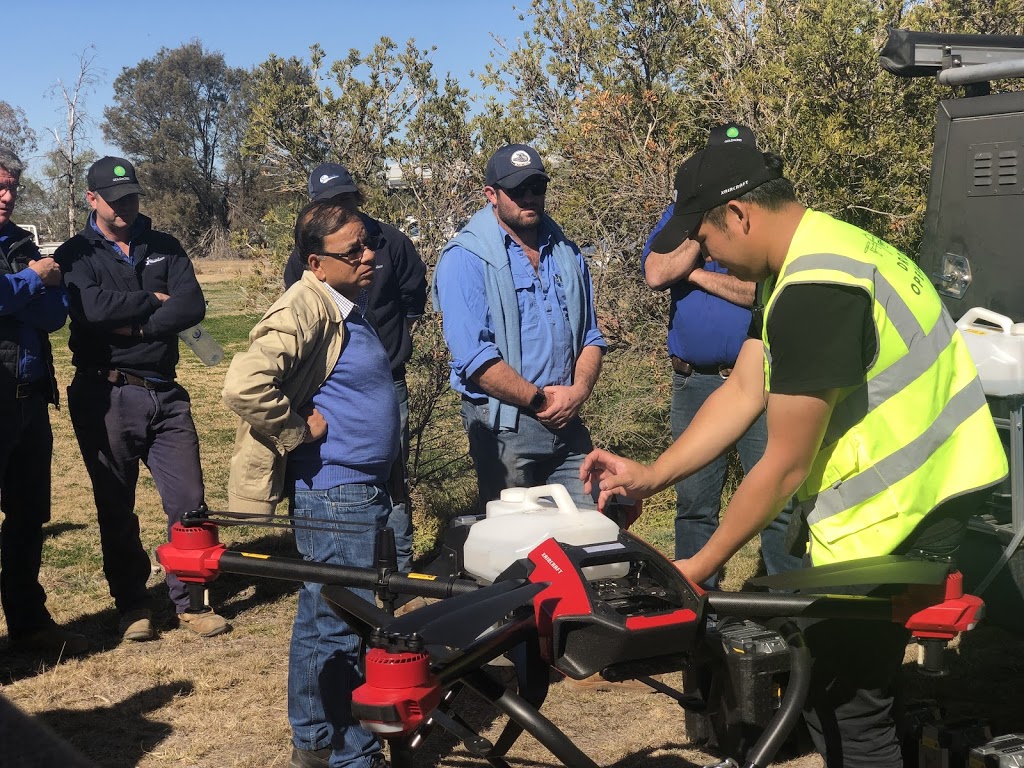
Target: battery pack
[(1001, 752), (742, 680)]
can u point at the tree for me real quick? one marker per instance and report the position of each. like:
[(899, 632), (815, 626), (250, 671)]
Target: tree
[(67, 162), (171, 113), (15, 132)]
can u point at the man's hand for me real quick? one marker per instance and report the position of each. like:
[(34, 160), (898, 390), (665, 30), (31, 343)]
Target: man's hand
[(615, 476), (161, 297), (47, 270), (560, 406), (662, 270), (316, 426)]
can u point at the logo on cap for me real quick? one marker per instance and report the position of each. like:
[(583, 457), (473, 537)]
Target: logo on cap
[(733, 132), (325, 178), (520, 158), (119, 170)]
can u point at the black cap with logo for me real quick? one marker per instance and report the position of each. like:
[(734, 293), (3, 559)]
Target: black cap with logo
[(330, 179), (513, 164), (113, 178), (728, 167)]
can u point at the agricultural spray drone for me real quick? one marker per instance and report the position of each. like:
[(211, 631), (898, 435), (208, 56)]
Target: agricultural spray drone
[(639, 618)]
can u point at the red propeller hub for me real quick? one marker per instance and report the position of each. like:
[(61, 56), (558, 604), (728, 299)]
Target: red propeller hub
[(398, 695), (193, 553)]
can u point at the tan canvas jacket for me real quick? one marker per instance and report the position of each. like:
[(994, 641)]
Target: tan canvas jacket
[(292, 350)]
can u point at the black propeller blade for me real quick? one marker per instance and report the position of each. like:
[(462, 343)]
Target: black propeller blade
[(457, 621), (887, 569)]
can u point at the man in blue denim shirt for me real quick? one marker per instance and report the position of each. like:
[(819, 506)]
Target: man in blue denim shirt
[(520, 325), (708, 321), (33, 304)]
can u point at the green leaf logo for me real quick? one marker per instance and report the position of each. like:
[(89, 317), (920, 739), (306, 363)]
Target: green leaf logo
[(119, 170), (733, 132)]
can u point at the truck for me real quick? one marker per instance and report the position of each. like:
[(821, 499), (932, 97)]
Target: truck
[(46, 247), (971, 248)]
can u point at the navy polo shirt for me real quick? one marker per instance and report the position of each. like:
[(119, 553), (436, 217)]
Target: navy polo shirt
[(703, 329)]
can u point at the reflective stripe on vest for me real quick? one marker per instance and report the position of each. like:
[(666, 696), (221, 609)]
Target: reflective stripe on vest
[(917, 431)]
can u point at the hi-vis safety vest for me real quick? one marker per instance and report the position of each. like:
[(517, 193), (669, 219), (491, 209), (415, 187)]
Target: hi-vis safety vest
[(918, 431)]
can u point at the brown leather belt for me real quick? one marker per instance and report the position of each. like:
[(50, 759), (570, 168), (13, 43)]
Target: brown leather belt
[(684, 368), (120, 377)]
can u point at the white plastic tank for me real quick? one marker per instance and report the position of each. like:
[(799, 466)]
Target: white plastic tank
[(996, 345), (524, 517)]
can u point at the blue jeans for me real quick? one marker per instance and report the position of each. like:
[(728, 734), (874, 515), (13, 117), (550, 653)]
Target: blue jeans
[(699, 497), (530, 455), (323, 662), (400, 519)]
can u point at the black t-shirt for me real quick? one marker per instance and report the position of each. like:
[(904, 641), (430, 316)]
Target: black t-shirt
[(822, 337)]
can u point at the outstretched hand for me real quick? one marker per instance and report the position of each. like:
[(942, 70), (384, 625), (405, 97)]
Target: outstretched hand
[(615, 476)]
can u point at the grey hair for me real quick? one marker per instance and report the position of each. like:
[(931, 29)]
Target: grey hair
[(10, 162)]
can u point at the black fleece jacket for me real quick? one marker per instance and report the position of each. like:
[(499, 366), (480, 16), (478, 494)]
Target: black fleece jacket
[(108, 293)]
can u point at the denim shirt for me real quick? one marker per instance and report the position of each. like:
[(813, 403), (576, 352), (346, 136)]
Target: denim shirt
[(544, 322)]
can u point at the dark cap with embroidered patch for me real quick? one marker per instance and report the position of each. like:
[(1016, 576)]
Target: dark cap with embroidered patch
[(728, 167), (511, 165), (330, 179), (113, 178)]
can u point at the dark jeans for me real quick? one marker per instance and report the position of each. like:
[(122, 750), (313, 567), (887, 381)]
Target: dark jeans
[(699, 497), (25, 453), (117, 427), (851, 709), (323, 662), (527, 456), (400, 519)]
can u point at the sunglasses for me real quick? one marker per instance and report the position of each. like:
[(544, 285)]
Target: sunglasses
[(537, 188), (355, 254)]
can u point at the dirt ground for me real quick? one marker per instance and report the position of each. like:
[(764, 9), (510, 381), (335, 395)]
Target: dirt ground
[(186, 702)]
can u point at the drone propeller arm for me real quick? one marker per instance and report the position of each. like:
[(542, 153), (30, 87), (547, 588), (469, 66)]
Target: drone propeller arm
[(760, 605)]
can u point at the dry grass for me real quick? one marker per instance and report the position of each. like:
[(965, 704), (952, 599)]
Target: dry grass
[(185, 701)]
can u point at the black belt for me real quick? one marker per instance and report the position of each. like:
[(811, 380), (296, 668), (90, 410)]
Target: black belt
[(118, 378), (23, 391), (684, 368)]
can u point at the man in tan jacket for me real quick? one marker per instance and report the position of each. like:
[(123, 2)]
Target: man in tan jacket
[(320, 415)]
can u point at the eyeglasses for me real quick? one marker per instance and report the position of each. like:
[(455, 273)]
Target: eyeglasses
[(537, 188), (12, 188), (355, 254)]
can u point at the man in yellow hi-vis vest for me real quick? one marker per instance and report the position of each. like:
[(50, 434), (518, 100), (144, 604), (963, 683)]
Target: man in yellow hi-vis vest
[(877, 421)]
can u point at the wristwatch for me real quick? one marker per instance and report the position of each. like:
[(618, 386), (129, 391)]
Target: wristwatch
[(537, 401)]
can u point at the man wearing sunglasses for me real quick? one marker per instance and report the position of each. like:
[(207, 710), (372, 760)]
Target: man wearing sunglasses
[(319, 414), (520, 325), (395, 300)]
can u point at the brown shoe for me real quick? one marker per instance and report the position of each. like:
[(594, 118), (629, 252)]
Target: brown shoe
[(596, 683), (205, 624), (52, 640), (137, 625)]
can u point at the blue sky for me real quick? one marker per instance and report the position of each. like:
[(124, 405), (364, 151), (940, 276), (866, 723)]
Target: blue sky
[(43, 40)]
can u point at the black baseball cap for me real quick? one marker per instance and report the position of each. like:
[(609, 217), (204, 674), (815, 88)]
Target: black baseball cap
[(113, 178), (330, 179), (728, 167), (513, 164)]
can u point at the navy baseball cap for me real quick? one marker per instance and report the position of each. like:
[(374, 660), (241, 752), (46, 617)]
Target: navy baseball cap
[(728, 167), (113, 178), (511, 165), (330, 179)]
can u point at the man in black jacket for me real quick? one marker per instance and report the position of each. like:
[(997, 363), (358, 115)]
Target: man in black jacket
[(396, 299), (33, 303), (132, 289)]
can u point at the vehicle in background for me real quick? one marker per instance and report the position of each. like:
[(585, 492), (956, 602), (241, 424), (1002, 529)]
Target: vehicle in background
[(46, 247)]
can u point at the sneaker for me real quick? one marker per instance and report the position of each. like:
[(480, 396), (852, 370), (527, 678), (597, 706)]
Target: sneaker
[(596, 683), (137, 625), (52, 640), (310, 758), (205, 624)]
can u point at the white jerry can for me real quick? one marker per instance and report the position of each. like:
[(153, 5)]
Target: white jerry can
[(524, 517), (997, 348)]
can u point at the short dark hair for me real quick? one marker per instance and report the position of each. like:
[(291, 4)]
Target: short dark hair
[(10, 162), (772, 195), (317, 221)]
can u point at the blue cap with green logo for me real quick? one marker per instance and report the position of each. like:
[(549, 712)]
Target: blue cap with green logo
[(113, 178)]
